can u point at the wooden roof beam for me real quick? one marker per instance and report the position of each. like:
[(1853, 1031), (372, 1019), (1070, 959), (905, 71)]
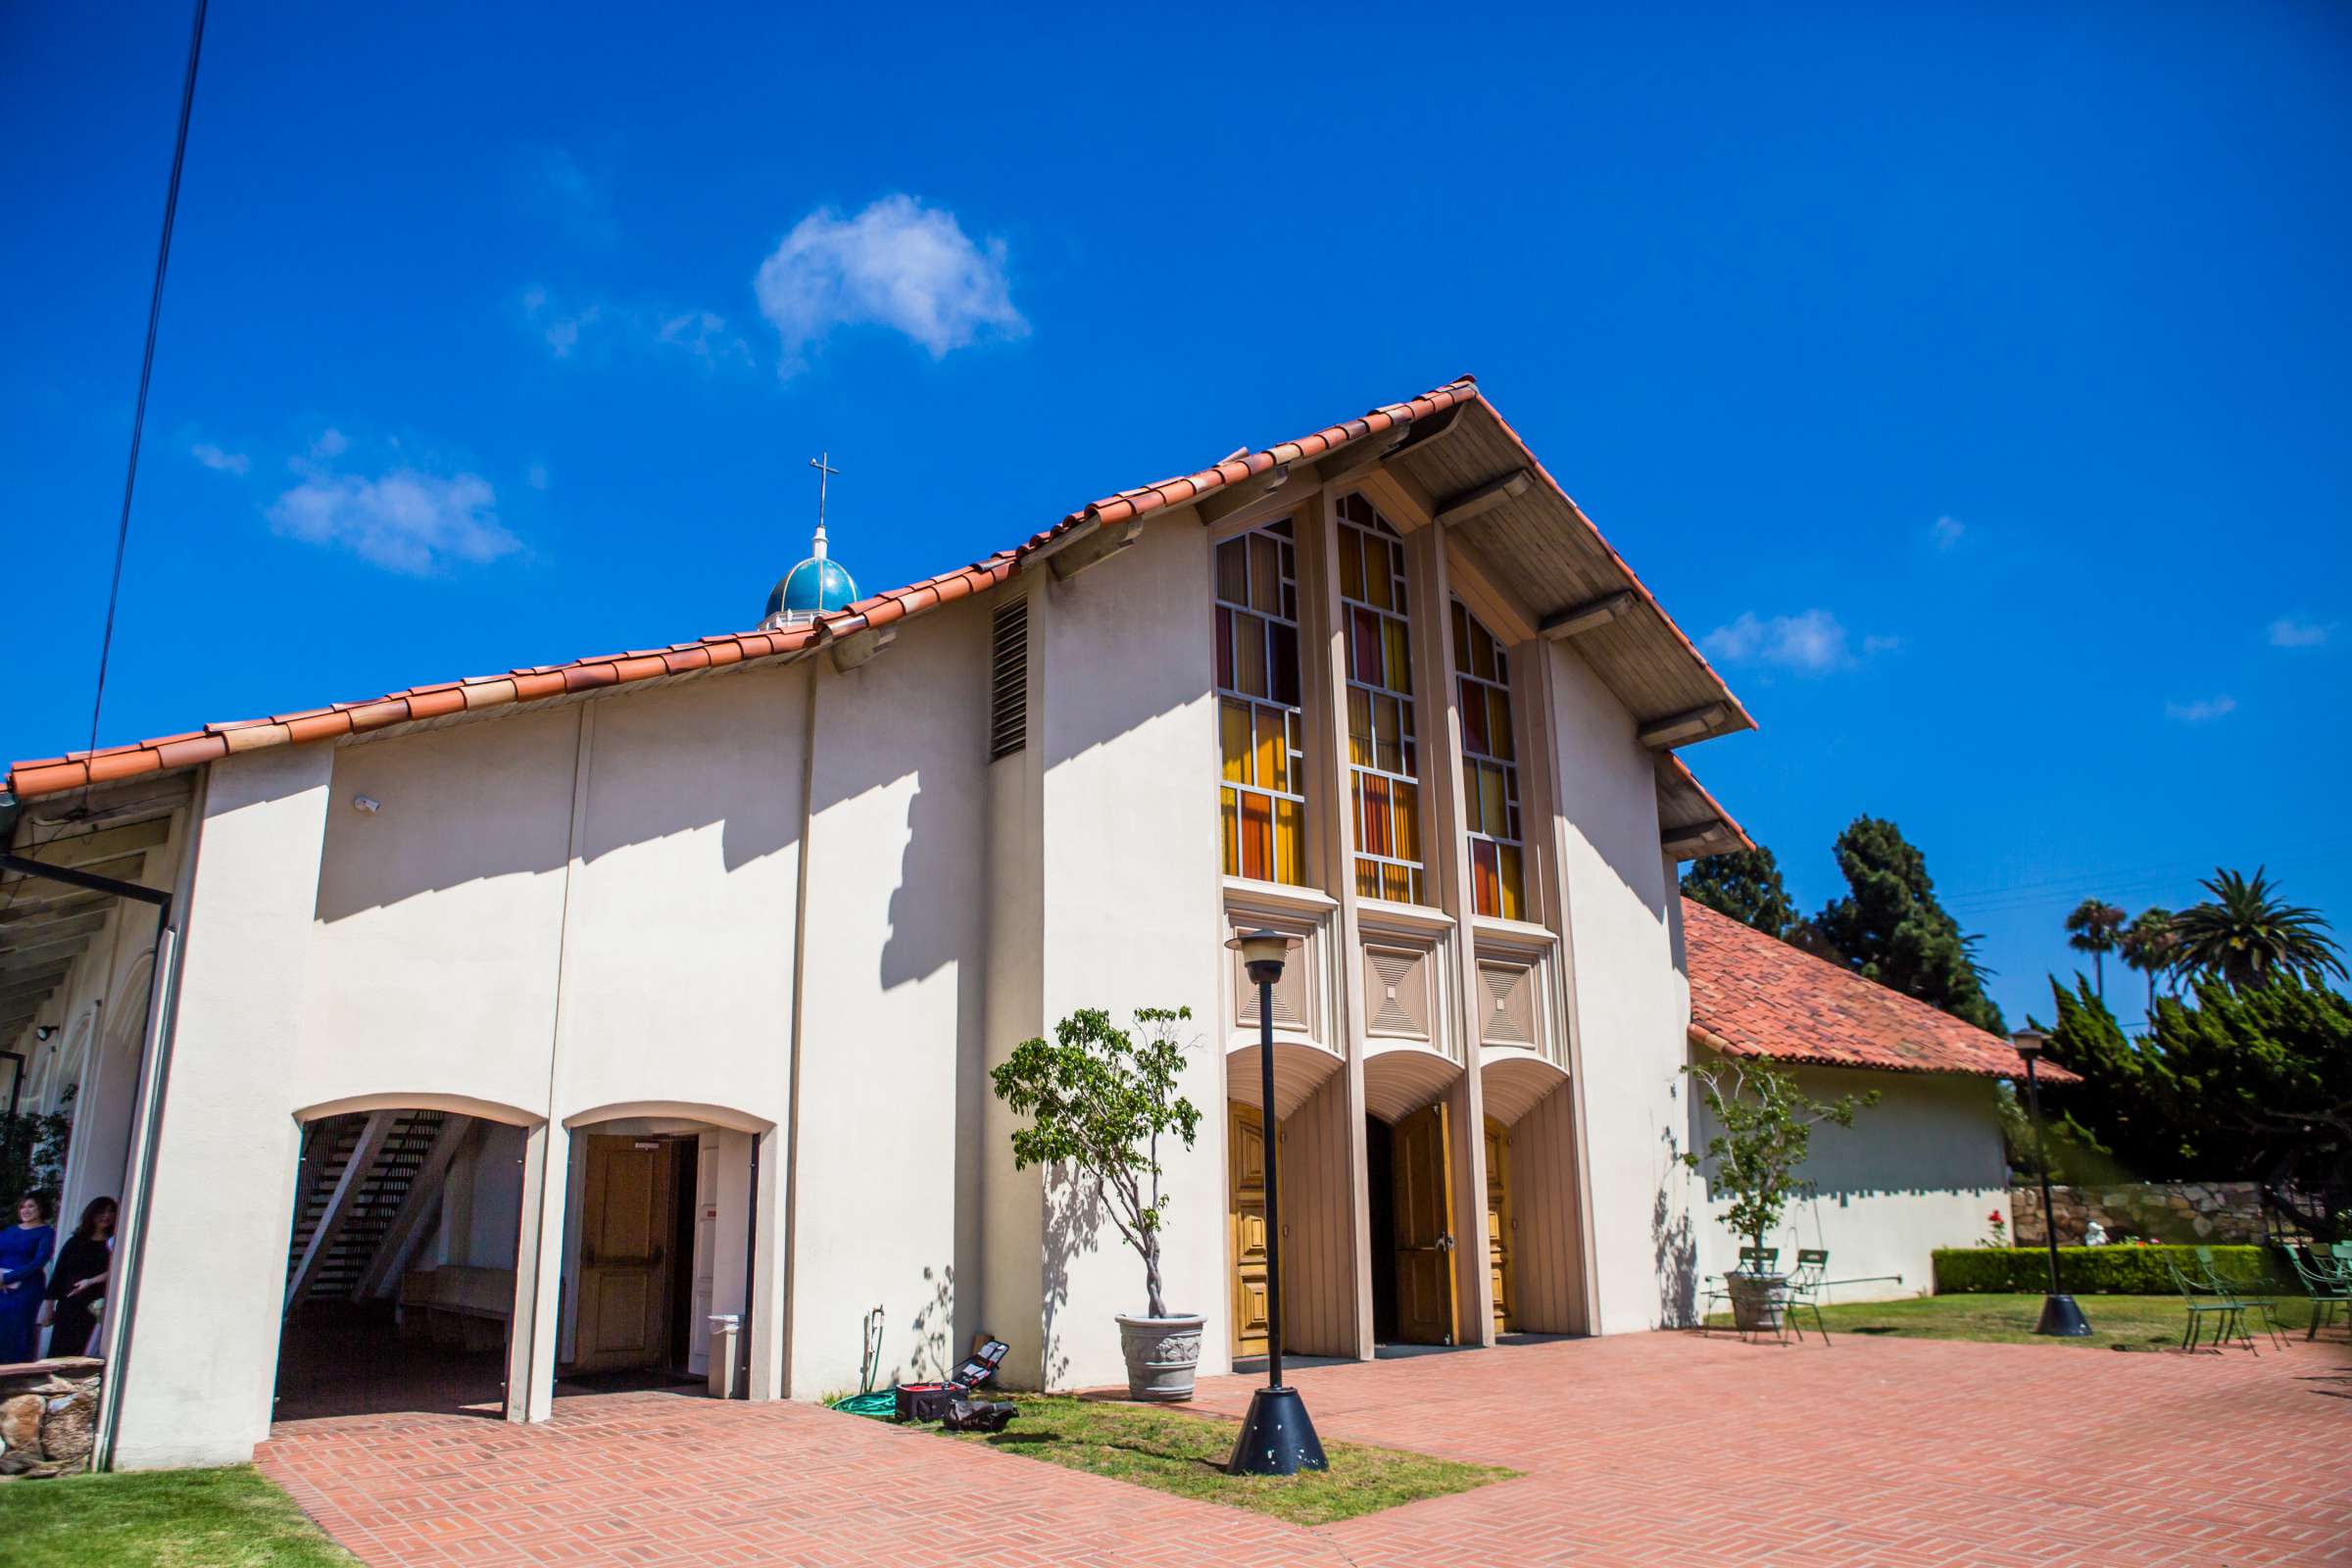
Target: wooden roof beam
[(1695, 839), (1482, 499), (1099, 545), (1219, 504), (1677, 729), (1584, 617), (83, 849)]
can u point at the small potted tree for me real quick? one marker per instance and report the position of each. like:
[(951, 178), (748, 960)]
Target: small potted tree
[(1100, 1100), (1763, 1131)]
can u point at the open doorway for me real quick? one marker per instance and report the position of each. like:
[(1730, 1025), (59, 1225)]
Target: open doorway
[(1408, 1173), (634, 1270), (399, 1270)]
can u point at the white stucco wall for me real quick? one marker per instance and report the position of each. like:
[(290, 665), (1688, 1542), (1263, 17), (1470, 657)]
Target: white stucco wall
[(1631, 1010), (1131, 907), (1918, 1170)]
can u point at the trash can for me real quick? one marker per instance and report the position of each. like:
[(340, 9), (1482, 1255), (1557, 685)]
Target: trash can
[(724, 1326)]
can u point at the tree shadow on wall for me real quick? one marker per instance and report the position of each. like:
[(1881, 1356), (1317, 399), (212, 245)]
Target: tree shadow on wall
[(934, 1325), (1073, 1228), (1676, 1248)]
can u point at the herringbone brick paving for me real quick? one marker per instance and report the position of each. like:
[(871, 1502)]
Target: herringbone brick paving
[(1643, 1448)]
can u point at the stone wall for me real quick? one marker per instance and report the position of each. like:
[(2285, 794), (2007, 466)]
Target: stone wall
[(2221, 1213), (48, 1411)]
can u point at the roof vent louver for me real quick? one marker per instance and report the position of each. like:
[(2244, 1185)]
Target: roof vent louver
[(1009, 681)]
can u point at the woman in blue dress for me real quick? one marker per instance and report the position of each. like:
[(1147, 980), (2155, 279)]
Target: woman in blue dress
[(24, 1250)]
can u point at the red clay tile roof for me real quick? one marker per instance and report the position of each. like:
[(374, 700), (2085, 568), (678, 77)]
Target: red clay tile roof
[(1753, 995), (48, 775)]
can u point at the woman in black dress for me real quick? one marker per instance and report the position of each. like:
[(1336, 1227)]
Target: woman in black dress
[(79, 1280)]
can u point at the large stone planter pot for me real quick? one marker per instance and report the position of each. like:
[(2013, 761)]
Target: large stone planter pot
[(1756, 1302), (1162, 1355)]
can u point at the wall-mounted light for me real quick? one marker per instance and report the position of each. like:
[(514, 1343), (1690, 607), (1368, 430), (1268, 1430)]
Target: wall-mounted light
[(46, 1031), (366, 802)]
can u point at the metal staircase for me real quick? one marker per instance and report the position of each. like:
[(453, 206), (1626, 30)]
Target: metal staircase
[(359, 1173)]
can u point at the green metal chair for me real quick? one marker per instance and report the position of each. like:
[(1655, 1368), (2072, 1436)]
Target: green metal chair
[(1805, 1283), (1752, 1260), (2328, 1283), (2224, 1286), (2232, 1317)]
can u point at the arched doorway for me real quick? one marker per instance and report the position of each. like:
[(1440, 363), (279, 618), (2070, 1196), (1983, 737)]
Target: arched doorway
[(401, 1265), (659, 1245)]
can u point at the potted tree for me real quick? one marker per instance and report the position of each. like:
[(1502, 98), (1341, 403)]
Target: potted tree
[(1100, 1100), (1763, 1131)]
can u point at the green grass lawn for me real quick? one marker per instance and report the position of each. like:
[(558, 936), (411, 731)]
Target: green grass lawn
[(2118, 1322), (160, 1519), (1174, 1450)]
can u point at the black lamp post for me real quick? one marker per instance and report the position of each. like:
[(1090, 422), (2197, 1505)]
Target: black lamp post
[(2060, 1315), (1277, 1438)]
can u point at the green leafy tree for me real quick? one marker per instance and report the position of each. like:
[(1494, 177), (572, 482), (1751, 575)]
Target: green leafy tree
[(32, 1150), (1890, 928), (1745, 885), (1100, 1101), (2151, 944), (2251, 1083), (2246, 934), (2096, 927), (1763, 1131)]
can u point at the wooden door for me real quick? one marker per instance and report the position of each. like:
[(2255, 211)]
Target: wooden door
[(1424, 1167), (624, 1244), (1245, 1190), (1499, 1223)]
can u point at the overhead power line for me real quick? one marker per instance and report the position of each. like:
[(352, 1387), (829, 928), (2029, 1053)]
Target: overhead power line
[(154, 312)]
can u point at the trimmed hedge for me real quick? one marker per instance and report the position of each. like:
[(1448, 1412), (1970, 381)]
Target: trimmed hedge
[(2114, 1270)]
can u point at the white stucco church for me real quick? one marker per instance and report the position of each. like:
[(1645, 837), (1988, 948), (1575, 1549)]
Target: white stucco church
[(555, 1012)]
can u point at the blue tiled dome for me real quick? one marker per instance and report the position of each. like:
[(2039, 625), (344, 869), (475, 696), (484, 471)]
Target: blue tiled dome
[(817, 586)]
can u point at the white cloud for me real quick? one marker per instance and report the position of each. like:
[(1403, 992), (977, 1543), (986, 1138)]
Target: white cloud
[(1946, 531), (898, 264), (404, 520), (2203, 711), (331, 443), (1811, 644), (220, 462), (704, 336), (569, 327), (2289, 632)]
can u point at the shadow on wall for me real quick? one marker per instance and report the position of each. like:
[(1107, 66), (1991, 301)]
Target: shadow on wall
[(934, 1325), (1074, 1216), (488, 800), (1675, 1245)]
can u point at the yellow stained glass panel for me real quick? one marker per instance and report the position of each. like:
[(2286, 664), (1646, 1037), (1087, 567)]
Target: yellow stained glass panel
[(1290, 843), (1387, 747), (1359, 726), (1250, 654), (1352, 566), (1499, 724), (1232, 729), (1273, 751), (1228, 811), (1401, 660), (1396, 884), (1232, 572), (1408, 821), (1489, 799), (1514, 899)]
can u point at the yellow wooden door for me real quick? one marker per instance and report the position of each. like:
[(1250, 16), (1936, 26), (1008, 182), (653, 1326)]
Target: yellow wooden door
[(1425, 1295), (624, 1273), (1499, 1223), (1246, 1207)]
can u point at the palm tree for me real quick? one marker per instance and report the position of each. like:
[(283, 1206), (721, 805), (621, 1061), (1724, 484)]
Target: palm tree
[(2245, 933), (2148, 945), (2095, 928)]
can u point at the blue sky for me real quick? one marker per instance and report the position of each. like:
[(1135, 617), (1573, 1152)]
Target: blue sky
[(1975, 385)]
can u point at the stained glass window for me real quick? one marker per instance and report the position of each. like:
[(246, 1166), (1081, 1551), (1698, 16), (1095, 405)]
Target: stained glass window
[(1262, 793), (1383, 753), (1490, 770)]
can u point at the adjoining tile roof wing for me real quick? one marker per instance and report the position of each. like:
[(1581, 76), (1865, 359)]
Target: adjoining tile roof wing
[(1642, 655), (1753, 995)]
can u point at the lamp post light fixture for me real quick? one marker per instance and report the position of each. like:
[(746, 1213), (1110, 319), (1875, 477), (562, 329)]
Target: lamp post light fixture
[(1277, 1438), (2060, 1316)]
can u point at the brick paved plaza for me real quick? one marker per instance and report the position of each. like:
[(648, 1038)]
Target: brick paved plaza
[(1645, 1448)]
